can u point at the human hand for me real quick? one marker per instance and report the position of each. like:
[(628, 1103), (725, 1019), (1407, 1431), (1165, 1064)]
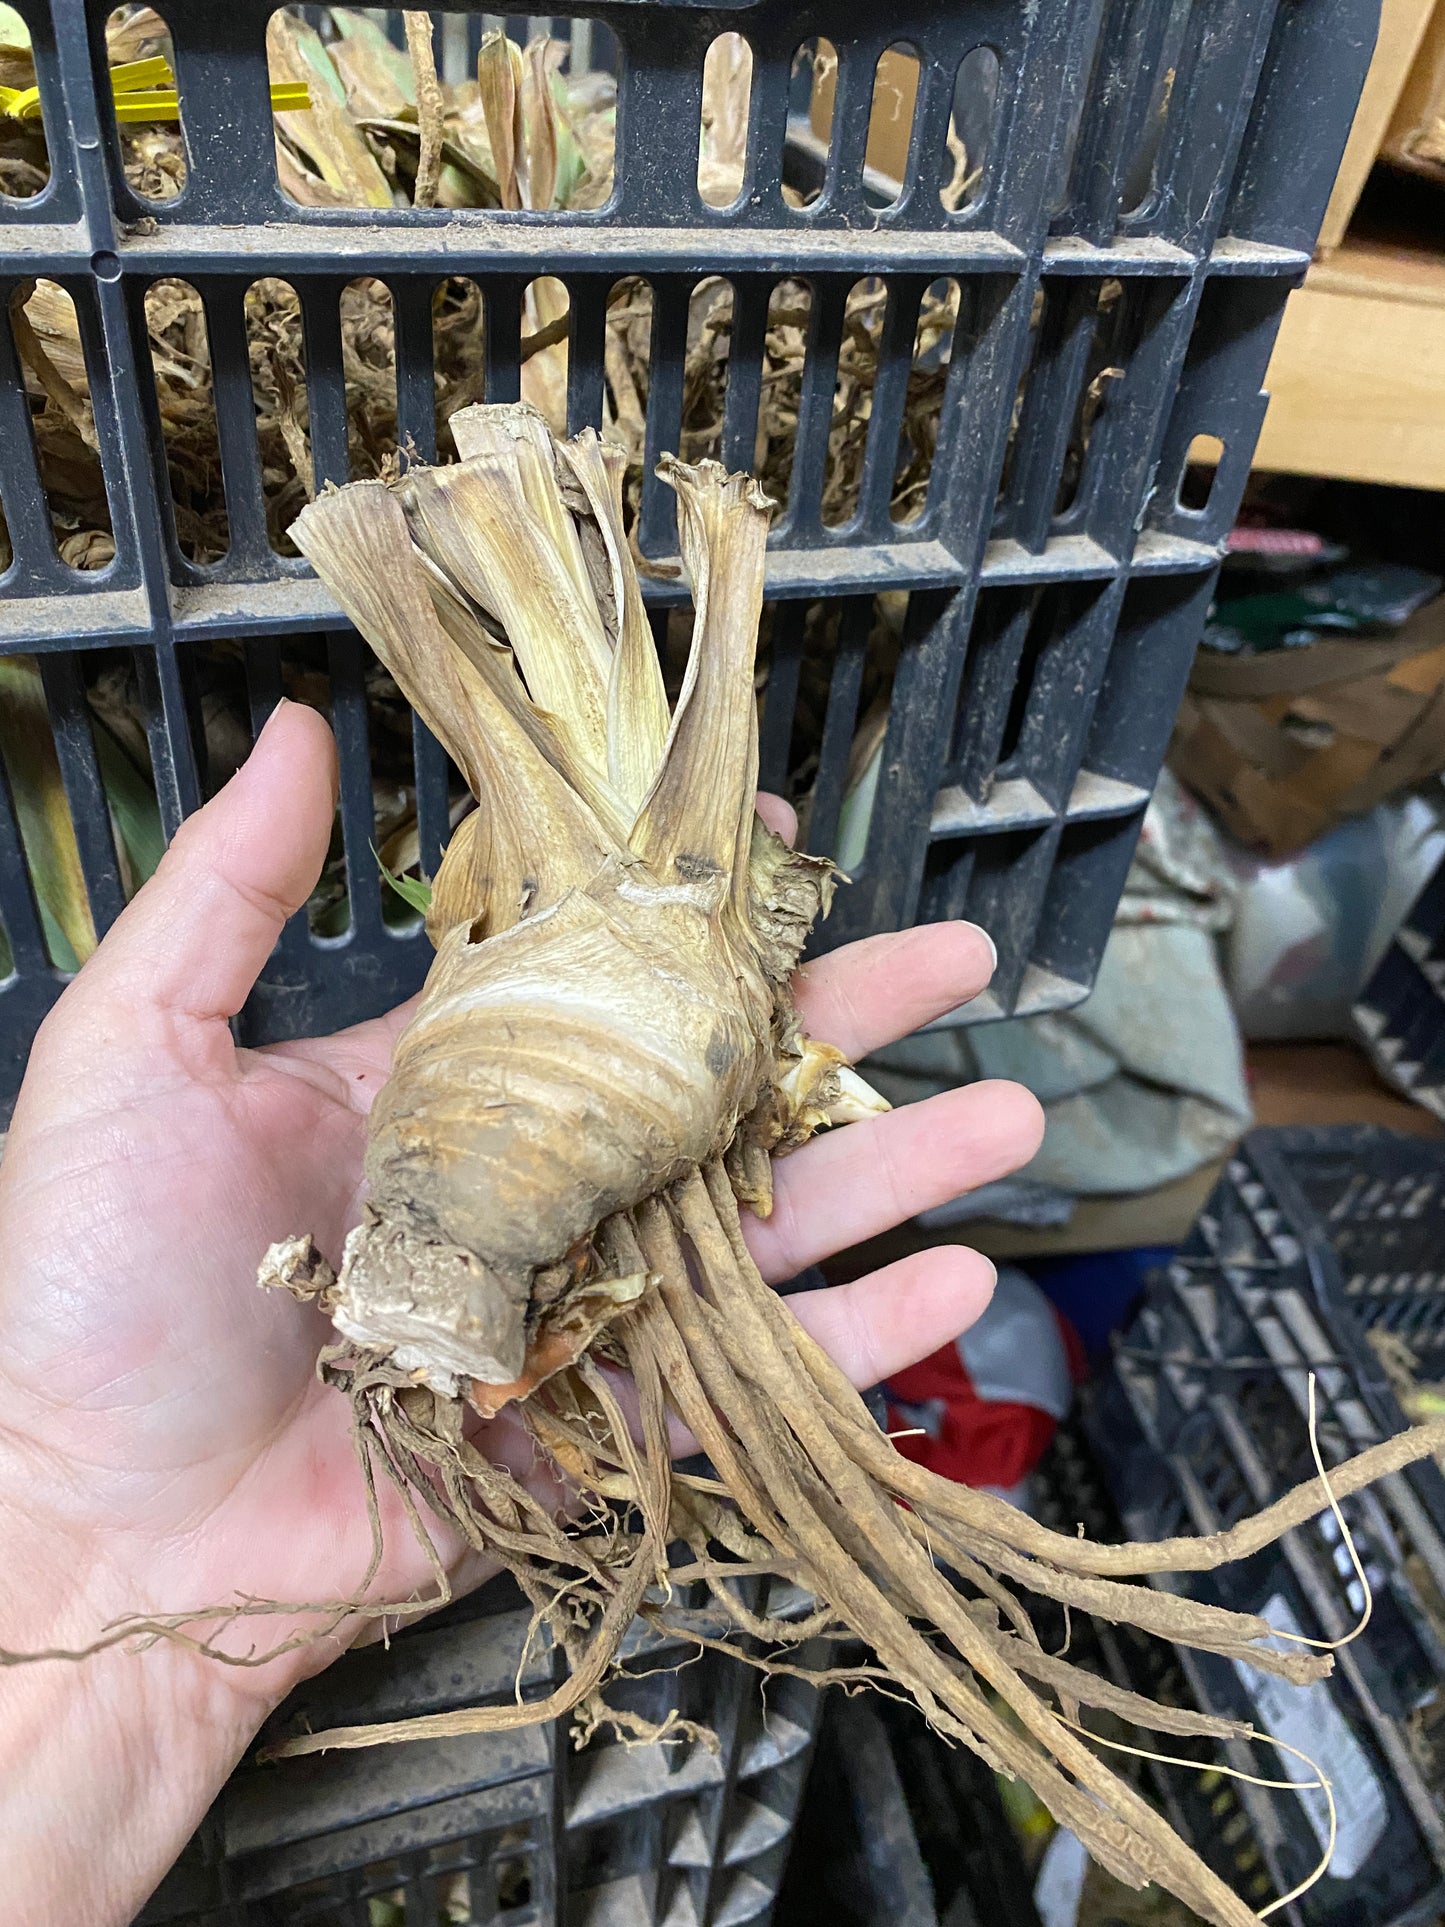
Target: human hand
[(164, 1442)]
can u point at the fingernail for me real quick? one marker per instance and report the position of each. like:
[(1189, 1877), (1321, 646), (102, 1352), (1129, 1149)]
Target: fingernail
[(992, 946), (282, 702)]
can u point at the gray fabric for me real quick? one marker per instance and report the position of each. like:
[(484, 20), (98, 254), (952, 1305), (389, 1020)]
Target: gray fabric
[(1016, 1200), (1015, 1353), (1144, 1081)]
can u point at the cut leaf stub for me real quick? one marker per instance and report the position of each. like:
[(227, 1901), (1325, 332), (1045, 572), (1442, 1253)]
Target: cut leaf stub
[(625, 1016)]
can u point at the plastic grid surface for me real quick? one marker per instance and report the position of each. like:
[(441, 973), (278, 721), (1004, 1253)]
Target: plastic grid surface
[(1401, 1011), (1069, 1491), (516, 1829), (1045, 651), (1312, 1238)]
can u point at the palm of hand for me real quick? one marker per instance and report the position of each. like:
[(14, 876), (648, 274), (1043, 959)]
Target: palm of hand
[(181, 1401), (170, 1409)]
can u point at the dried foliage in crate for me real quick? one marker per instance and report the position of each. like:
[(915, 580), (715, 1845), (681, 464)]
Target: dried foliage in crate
[(520, 135)]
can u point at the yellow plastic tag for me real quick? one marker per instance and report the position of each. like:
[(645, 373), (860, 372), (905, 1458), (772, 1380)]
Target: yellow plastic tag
[(146, 90), (20, 103)]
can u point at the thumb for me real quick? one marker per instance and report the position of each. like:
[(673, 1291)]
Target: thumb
[(195, 938)]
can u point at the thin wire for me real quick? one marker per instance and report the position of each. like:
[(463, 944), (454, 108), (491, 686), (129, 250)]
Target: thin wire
[(1295, 1893), (1319, 1783), (1303, 1639)]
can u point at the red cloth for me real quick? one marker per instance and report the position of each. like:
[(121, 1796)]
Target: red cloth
[(971, 1440)]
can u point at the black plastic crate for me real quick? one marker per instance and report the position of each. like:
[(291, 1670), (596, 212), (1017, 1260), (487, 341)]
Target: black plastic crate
[(1400, 1015), (899, 1824), (1312, 1239), (509, 1829), (1152, 177), (1203, 1805)]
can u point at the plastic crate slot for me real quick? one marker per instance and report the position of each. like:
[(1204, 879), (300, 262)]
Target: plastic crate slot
[(807, 158), (52, 467), (854, 396), (970, 137), (459, 359), (24, 147), (920, 408), (827, 671), (1049, 671), (153, 152), (275, 337), (780, 665), (727, 89), (1017, 441), (710, 313), (363, 59), (178, 343), (64, 883), (1139, 184), (1003, 646), (788, 347), (1092, 356), (667, 309), (1202, 462), (890, 120), (233, 315), (1088, 871), (801, 498), (368, 365), (624, 406), (838, 770)]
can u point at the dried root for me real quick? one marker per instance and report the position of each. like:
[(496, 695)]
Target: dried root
[(816, 1493)]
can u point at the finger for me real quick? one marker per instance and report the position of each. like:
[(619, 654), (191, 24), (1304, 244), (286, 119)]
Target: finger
[(854, 1183), (195, 938), (870, 993), (873, 1327), (887, 1321), (780, 817)]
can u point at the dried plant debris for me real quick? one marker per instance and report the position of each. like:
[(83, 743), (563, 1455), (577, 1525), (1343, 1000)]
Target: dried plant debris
[(521, 135), (603, 1061)]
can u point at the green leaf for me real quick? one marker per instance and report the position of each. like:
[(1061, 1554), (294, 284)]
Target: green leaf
[(413, 890), (134, 810)]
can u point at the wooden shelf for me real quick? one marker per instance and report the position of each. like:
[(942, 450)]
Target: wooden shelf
[(1357, 380), (1403, 25)]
